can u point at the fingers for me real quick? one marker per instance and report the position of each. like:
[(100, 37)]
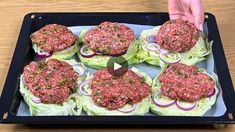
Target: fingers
[(180, 9), (188, 17), (175, 11), (198, 13), (190, 10), (175, 16)]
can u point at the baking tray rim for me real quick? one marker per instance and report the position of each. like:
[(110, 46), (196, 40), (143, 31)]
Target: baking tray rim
[(222, 71)]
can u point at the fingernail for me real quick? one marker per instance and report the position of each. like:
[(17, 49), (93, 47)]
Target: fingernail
[(201, 27)]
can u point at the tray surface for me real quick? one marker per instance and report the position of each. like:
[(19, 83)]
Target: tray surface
[(14, 108)]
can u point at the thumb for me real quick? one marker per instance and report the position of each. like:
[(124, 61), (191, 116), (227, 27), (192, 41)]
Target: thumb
[(198, 13)]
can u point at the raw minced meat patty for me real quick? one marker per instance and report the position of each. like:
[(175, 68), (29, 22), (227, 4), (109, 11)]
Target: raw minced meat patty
[(114, 92), (52, 81), (177, 35), (109, 38), (53, 37), (180, 81)]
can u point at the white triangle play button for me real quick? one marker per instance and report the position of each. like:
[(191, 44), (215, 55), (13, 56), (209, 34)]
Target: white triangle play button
[(116, 66)]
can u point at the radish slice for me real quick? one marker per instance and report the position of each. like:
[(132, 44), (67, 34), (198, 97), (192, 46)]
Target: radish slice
[(85, 52), (186, 106), (151, 39), (153, 47), (43, 54), (127, 110), (163, 51), (81, 88), (211, 93), (36, 100), (170, 58), (79, 69), (162, 101)]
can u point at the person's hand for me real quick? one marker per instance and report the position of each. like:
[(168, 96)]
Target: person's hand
[(191, 10)]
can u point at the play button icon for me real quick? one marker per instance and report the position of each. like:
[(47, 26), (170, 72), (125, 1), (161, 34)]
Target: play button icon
[(117, 66)]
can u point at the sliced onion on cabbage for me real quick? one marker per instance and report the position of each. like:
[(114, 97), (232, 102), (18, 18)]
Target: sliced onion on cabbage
[(162, 101), (170, 58)]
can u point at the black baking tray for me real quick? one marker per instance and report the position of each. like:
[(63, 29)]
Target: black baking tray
[(23, 54)]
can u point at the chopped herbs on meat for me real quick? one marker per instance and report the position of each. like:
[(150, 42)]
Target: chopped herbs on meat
[(53, 37), (142, 80), (177, 35), (49, 81), (190, 87), (122, 40), (130, 81), (94, 93), (128, 88), (75, 89), (113, 35), (62, 83)]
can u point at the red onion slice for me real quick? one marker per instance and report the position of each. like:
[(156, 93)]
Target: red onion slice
[(127, 110), (185, 107), (43, 54), (176, 59), (36, 100), (153, 47), (79, 69), (81, 88), (98, 53), (158, 102), (211, 93), (163, 51), (151, 38), (84, 53)]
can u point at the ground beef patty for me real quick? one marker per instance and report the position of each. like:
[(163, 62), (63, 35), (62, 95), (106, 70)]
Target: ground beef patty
[(52, 81), (109, 38), (114, 92), (180, 81), (53, 37), (177, 35)]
